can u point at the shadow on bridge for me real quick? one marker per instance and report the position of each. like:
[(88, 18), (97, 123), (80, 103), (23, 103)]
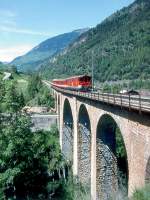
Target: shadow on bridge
[(111, 160), (84, 146), (67, 137)]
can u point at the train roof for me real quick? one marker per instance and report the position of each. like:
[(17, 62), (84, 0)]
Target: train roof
[(79, 76)]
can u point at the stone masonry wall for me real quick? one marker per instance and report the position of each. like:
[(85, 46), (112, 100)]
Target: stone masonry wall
[(67, 143), (107, 182), (45, 122), (84, 154)]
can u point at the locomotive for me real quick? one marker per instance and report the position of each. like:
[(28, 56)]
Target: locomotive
[(82, 83)]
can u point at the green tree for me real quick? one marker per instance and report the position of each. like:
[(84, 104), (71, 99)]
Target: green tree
[(21, 100), (34, 85), (2, 93), (12, 100), (27, 160), (38, 93), (46, 98)]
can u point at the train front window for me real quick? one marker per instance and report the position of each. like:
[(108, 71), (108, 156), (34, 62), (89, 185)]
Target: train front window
[(82, 79), (88, 79)]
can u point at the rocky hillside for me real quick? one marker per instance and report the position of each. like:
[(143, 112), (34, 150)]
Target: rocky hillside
[(120, 46), (45, 50)]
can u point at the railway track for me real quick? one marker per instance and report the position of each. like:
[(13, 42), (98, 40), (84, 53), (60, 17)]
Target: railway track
[(132, 102)]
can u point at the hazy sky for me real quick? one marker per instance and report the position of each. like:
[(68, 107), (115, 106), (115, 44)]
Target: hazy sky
[(26, 23)]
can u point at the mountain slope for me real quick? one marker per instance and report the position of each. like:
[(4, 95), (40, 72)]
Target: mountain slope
[(44, 50), (120, 47), (3, 66)]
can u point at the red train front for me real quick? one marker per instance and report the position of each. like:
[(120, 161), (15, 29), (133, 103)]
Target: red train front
[(82, 82)]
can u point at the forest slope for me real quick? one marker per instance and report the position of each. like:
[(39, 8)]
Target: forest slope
[(120, 47)]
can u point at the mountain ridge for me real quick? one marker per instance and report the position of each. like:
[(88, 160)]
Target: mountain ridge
[(44, 50)]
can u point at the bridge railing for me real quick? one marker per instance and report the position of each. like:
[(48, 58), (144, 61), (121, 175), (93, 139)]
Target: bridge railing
[(136, 102)]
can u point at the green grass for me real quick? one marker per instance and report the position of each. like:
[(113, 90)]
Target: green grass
[(20, 79)]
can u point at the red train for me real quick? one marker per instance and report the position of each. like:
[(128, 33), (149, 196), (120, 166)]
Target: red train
[(82, 82)]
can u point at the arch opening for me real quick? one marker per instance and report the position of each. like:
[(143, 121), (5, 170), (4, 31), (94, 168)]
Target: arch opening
[(147, 174), (111, 160), (67, 137), (84, 146)]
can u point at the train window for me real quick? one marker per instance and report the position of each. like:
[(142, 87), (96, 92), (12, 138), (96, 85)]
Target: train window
[(84, 79), (81, 79), (88, 78)]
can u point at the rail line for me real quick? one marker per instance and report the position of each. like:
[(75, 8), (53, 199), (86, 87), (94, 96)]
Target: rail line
[(132, 102)]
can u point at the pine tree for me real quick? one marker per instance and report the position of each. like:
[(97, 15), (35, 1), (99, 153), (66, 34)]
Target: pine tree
[(12, 99), (21, 100)]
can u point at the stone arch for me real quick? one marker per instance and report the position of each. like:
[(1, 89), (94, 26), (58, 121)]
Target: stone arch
[(84, 146), (111, 159), (67, 136), (147, 173)]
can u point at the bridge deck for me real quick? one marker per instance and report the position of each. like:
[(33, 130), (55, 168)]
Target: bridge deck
[(140, 103)]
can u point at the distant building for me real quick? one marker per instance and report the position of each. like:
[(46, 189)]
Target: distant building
[(123, 91), (131, 92), (35, 109)]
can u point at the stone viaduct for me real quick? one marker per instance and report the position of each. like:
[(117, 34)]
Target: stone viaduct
[(105, 141)]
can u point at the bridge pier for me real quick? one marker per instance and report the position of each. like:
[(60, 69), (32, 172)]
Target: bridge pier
[(75, 141), (93, 157), (61, 121)]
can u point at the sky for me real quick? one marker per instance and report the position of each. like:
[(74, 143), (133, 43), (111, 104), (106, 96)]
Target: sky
[(26, 23)]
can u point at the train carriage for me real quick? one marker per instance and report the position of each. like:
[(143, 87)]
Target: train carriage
[(82, 82)]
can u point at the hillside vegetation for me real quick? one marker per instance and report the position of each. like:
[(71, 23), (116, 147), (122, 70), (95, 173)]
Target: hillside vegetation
[(3, 66), (29, 88), (45, 50), (120, 46)]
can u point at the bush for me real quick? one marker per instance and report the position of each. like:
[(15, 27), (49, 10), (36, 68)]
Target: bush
[(39, 95), (142, 194)]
